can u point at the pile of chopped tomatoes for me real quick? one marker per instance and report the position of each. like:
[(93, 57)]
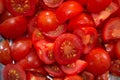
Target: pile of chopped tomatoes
[(59, 39)]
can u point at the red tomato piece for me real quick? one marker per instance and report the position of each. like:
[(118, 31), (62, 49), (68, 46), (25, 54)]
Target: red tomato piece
[(117, 49), (74, 68), (98, 61), (45, 51), (67, 48), (54, 70), (53, 3), (82, 19), (5, 52), (20, 48), (104, 76), (115, 67), (47, 21), (2, 7), (104, 14), (89, 37), (73, 77), (87, 76), (21, 7), (30, 61), (96, 6), (57, 32), (13, 72), (111, 29), (31, 76), (13, 27), (67, 10)]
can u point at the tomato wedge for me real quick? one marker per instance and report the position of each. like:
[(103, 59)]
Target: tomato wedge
[(21, 7), (67, 48)]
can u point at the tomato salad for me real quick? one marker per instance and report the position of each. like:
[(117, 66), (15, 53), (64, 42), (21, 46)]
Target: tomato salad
[(59, 39)]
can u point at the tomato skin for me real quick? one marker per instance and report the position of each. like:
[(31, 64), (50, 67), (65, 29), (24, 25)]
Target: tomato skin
[(96, 6), (67, 48), (30, 61), (13, 27), (74, 68), (67, 10), (20, 48), (5, 52), (73, 77), (15, 71), (111, 32), (21, 7), (89, 37), (2, 7), (115, 67), (98, 61), (47, 21), (117, 49), (82, 19), (52, 3)]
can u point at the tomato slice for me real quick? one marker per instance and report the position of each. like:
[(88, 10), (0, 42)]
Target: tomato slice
[(73, 77), (75, 67), (111, 30), (54, 70), (13, 72), (45, 51), (89, 37), (21, 7), (53, 3), (67, 48)]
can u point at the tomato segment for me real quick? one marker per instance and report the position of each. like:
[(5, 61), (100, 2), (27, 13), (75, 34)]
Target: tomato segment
[(21, 7), (67, 48)]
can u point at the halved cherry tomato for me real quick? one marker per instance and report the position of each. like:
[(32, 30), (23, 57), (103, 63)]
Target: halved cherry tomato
[(45, 51), (74, 68), (54, 70), (21, 7), (117, 49), (13, 72), (5, 52), (67, 48), (20, 48), (96, 6), (89, 37), (111, 29), (73, 77), (47, 21), (98, 61), (13, 27), (82, 19), (53, 3), (30, 61), (67, 10)]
